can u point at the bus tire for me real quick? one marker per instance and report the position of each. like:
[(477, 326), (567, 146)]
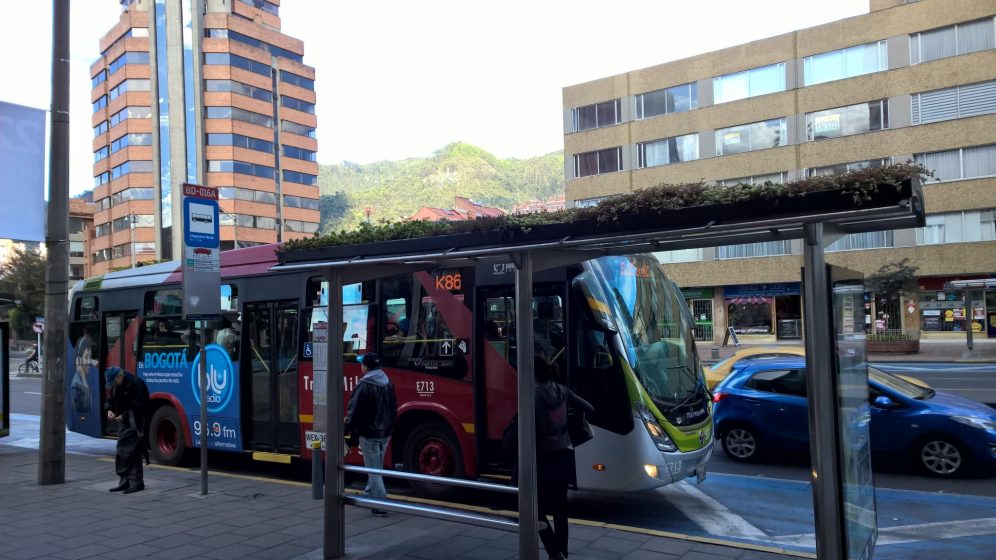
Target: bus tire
[(166, 437), (431, 448)]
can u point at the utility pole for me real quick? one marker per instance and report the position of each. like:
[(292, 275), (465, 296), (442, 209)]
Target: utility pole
[(52, 446)]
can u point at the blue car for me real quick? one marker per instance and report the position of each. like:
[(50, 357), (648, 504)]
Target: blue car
[(761, 408)]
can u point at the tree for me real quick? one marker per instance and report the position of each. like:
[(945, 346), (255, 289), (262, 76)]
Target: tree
[(23, 276)]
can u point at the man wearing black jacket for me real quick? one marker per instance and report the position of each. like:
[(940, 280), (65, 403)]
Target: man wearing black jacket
[(127, 405), (370, 416)]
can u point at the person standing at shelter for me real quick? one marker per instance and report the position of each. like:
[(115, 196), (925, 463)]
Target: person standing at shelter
[(127, 405), (554, 458), (370, 415)]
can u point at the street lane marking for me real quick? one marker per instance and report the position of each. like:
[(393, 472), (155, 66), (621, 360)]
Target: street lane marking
[(904, 534), (712, 516)]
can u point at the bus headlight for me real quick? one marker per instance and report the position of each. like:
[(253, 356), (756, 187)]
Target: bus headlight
[(657, 433)]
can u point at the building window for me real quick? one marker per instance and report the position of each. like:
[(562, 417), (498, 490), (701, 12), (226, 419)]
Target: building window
[(100, 103), (298, 153), (679, 256), (668, 150), (297, 104), (75, 225), (101, 154), (253, 42), (268, 7), (237, 114), (844, 121), (132, 166), (300, 202), (776, 178), (597, 163), (751, 137), (240, 88), (75, 248), (101, 230), (229, 59), (249, 195), (963, 163), (102, 179), (953, 103), (953, 40), (845, 167), (128, 85), (103, 204), (245, 168), (675, 99), (302, 178), (130, 57), (866, 240), (598, 115), (958, 227), (589, 202), (131, 112), (295, 128), (240, 141), (131, 140), (300, 227), (750, 250), (247, 221), (749, 83), (845, 63), (100, 129), (133, 193), (98, 79), (299, 81)]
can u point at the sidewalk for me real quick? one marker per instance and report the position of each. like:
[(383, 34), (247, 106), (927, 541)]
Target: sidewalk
[(248, 517), (931, 350)]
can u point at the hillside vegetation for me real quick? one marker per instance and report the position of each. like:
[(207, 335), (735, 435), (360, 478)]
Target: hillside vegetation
[(397, 189)]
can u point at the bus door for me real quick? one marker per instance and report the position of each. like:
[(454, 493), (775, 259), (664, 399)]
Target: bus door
[(496, 313), (270, 364)]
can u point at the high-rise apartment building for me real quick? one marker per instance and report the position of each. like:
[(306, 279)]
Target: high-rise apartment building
[(911, 80), (200, 91), (80, 229)]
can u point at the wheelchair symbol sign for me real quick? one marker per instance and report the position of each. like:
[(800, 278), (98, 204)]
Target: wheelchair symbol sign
[(309, 351)]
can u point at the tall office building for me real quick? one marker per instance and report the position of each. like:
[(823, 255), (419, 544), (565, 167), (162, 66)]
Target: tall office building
[(208, 92), (910, 80)]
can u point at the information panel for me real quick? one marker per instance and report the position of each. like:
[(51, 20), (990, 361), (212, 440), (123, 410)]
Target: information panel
[(853, 415)]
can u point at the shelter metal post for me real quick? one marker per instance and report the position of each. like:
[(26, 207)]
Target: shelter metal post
[(969, 317), (821, 396), (334, 545), (528, 511)]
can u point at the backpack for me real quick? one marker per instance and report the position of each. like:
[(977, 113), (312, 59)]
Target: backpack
[(510, 440)]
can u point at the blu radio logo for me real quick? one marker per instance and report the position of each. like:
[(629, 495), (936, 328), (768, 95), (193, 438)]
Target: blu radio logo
[(220, 379)]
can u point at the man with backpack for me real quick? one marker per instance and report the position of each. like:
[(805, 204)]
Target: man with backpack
[(370, 415)]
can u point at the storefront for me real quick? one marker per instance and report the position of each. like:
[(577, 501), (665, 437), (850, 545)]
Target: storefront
[(765, 310), (945, 310), (700, 304)]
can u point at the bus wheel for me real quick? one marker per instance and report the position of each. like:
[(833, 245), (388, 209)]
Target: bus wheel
[(432, 449), (166, 437)]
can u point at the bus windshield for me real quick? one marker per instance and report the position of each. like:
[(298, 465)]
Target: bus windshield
[(651, 318)]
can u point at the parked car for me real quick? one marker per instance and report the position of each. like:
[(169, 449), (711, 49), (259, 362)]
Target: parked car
[(761, 409), (740, 358), (720, 370)]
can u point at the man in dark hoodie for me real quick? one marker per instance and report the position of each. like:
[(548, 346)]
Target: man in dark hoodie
[(554, 458), (370, 416), (127, 406)]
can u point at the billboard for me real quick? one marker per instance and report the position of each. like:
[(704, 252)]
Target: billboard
[(22, 173)]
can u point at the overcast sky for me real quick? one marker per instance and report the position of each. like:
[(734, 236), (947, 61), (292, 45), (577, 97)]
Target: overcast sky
[(402, 79)]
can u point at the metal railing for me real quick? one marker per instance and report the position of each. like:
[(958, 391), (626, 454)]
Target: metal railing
[(437, 512)]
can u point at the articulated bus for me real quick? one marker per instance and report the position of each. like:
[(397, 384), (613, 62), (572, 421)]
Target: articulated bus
[(617, 330)]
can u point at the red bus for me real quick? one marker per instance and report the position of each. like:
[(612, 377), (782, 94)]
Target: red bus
[(618, 331)]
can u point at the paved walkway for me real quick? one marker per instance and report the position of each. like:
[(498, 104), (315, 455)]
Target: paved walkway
[(246, 517)]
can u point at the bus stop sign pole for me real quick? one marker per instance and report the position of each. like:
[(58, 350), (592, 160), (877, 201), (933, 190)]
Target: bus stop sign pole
[(201, 283)]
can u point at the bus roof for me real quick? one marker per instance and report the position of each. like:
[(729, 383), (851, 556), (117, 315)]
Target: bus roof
[(238, 262)]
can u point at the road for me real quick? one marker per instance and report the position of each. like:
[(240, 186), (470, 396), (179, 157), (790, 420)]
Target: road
[(920, 518)]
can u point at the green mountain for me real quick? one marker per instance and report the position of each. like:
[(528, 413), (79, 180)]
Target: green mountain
[(397, 189)]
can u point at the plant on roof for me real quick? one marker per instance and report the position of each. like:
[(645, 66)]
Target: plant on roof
[(858, 186)]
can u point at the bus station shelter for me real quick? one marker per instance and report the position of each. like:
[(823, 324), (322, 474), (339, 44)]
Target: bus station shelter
[(816, 225)]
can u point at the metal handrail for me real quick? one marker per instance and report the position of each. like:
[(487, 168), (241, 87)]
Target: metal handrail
[(447, 514), (434, 479)]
